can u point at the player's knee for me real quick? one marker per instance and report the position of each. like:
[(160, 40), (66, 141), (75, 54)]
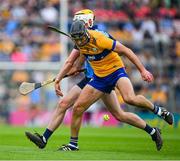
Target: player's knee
[(129, 99), (121, 117), (78, 109), (63, 105)]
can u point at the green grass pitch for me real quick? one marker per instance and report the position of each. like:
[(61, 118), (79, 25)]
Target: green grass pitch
[(105, 143)]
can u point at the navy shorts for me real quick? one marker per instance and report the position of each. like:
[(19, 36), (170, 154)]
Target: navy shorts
[(83, 82), (107, 84)]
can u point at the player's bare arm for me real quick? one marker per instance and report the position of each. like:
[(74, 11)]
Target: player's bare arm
[(65, 69), (145, 74), (79, 63)]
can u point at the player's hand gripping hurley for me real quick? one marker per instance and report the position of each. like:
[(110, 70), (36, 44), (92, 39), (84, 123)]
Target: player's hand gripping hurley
[(27, 87)]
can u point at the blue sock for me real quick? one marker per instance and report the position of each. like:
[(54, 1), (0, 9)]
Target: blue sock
[(149, 129), (74, 141), (47, 134)]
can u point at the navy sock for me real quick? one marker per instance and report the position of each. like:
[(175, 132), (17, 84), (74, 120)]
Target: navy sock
[(150, 130), (47, 134), (157, 110), (74, 141)]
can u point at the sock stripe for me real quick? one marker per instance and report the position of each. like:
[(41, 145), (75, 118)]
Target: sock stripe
[(74, 141), (159, 112), (47, 134), (153, 131), (149, 129), (72, 145), (156, 109)]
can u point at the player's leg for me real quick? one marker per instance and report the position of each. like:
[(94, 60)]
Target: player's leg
[(126, 89), (64, 104), (56, 119), (58, 115), (112, 104), (88, 96)]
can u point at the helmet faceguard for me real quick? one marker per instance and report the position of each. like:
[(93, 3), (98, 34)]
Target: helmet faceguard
[(79, 33), (85, 15)]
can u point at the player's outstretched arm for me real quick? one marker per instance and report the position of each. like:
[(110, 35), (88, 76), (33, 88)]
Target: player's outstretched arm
[(77, 66), (79, 63), (145, 74), (65, 69)]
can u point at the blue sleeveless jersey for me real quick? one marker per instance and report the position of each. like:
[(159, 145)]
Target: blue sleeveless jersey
[(89, 71)]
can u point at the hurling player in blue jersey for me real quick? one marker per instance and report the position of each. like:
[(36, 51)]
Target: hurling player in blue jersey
[(67, 101)]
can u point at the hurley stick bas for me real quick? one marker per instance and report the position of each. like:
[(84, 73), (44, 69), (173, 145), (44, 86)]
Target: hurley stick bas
[(27, 87)]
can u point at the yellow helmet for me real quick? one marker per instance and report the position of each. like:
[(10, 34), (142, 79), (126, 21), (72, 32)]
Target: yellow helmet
[(86, 15)]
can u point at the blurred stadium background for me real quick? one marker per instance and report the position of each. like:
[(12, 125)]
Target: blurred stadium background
[(30, 52)]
